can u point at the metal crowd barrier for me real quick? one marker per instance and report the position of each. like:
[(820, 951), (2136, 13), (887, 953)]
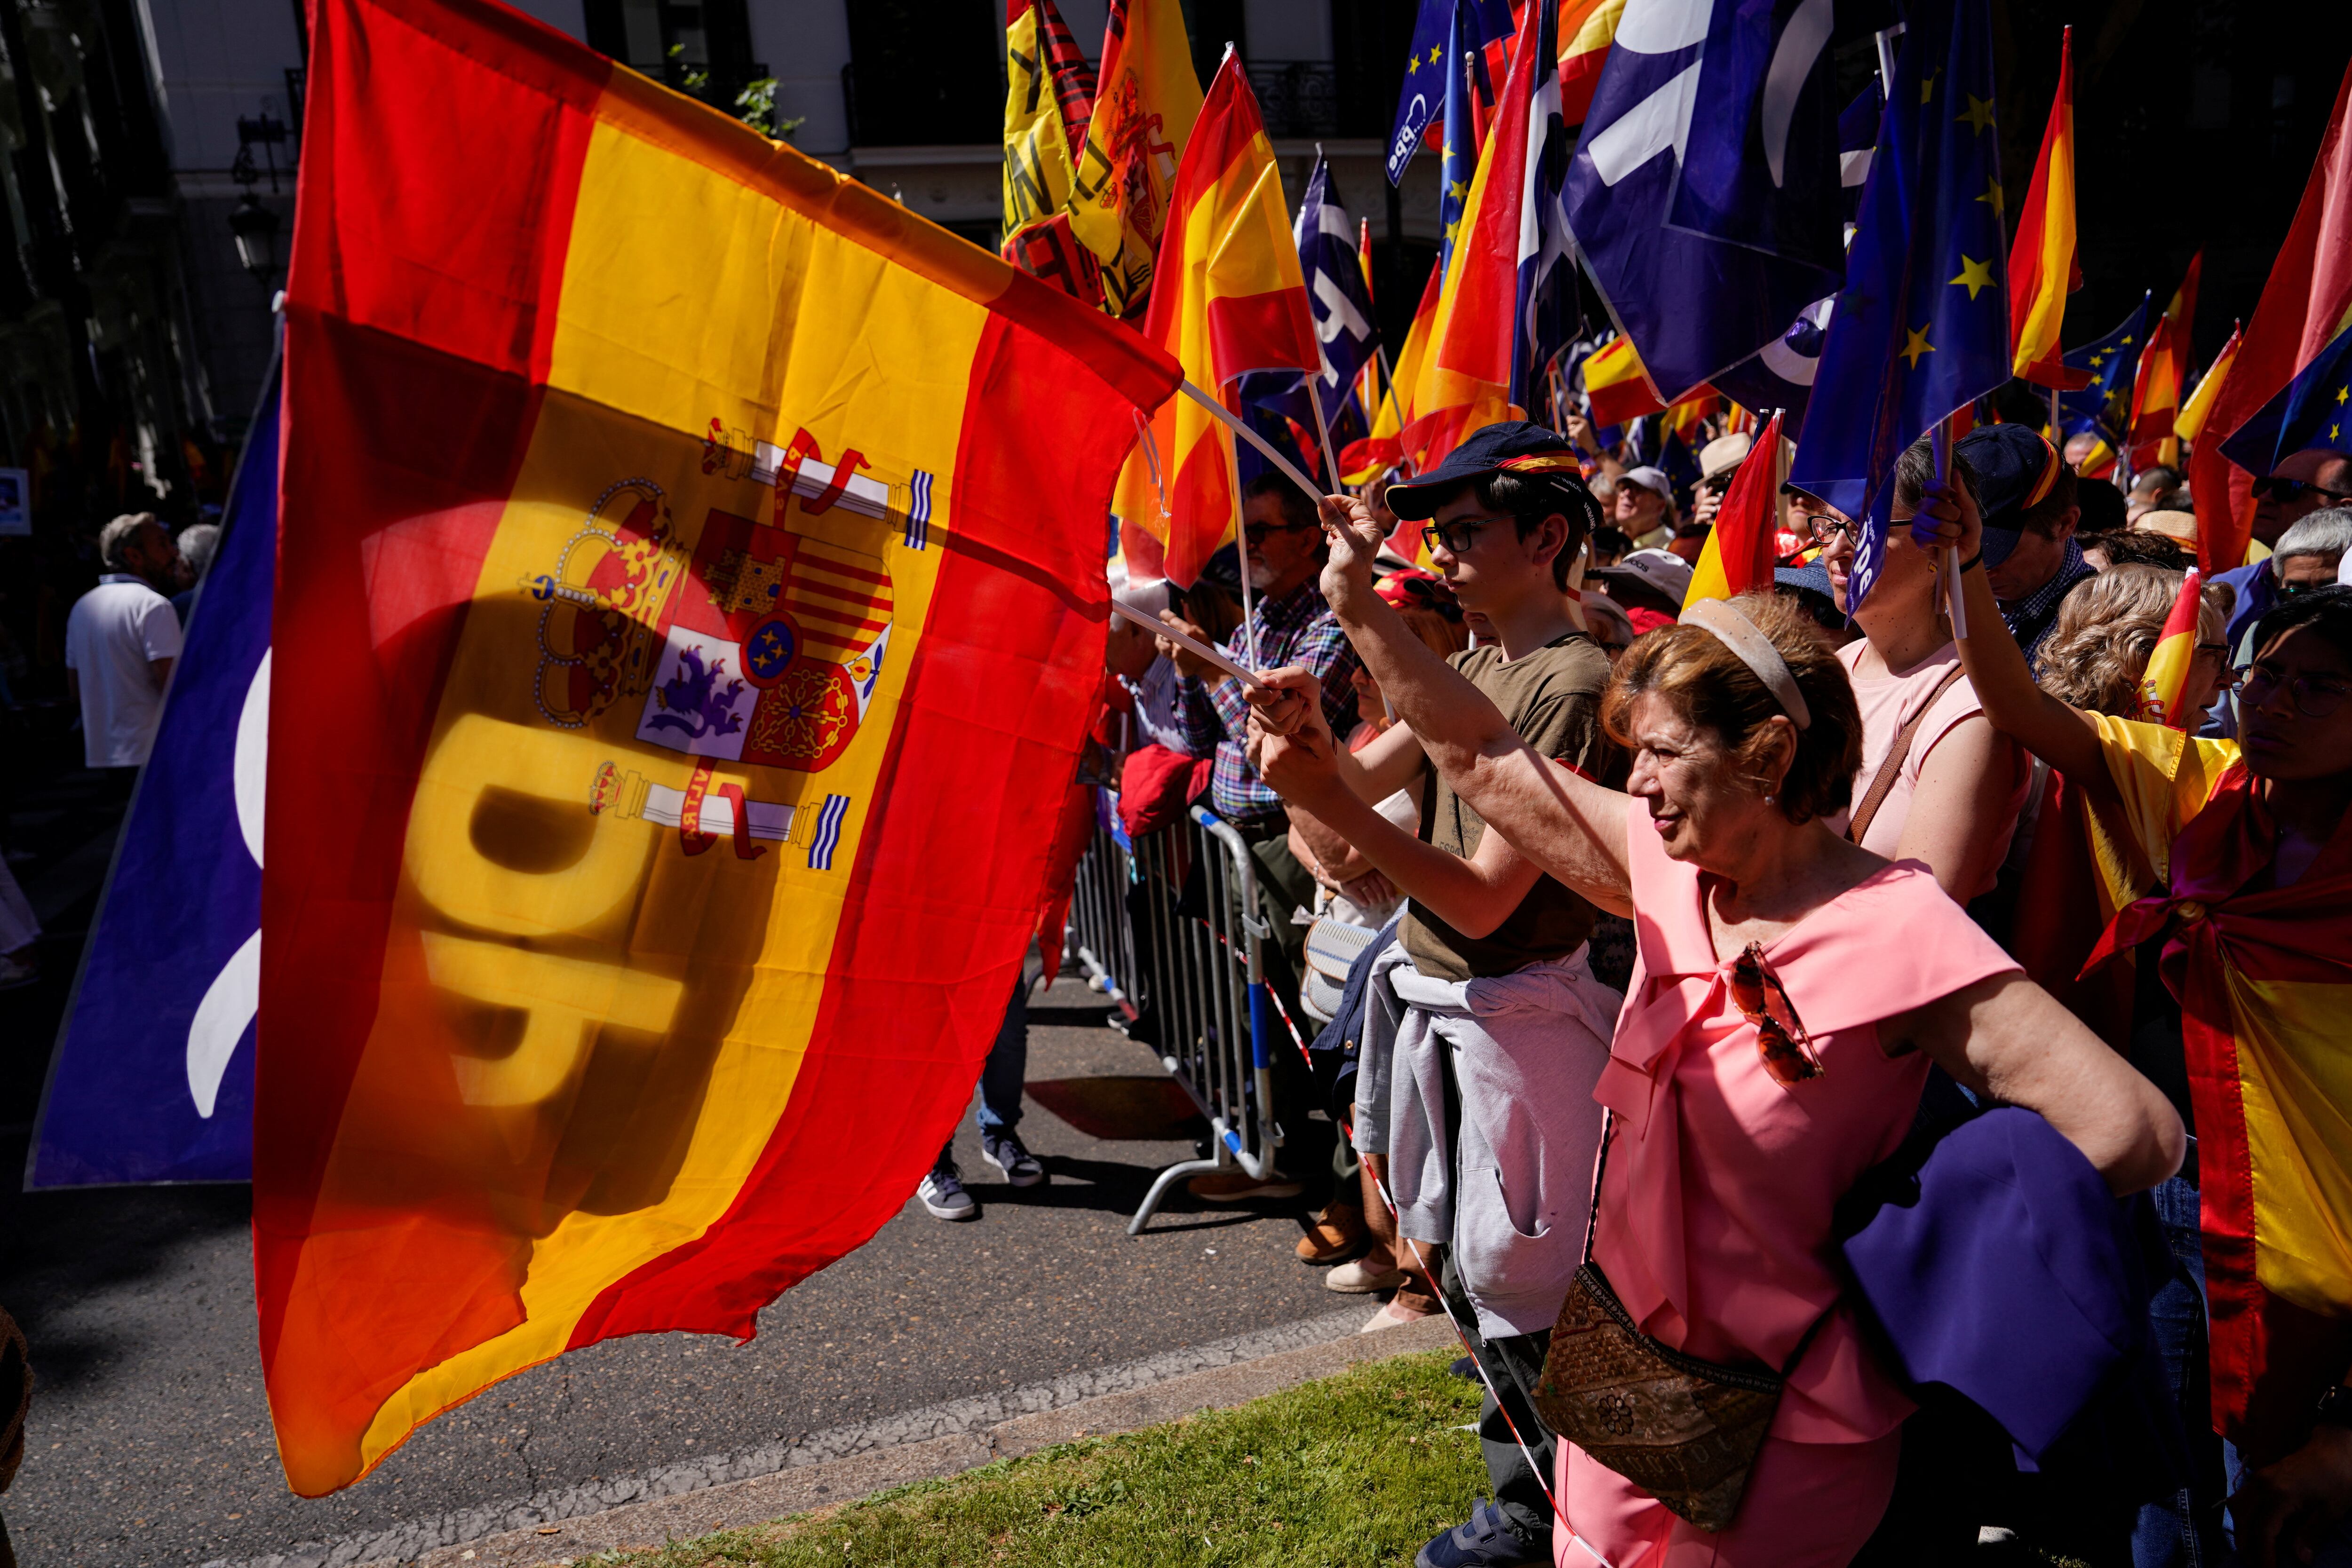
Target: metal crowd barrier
[(1190, 972)]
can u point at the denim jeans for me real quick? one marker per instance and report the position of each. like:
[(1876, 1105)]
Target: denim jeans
[(2185, 1529), (1007, 1067)]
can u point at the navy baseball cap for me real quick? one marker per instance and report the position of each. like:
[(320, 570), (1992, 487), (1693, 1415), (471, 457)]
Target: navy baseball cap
[(1514, 445), (2013, 469)]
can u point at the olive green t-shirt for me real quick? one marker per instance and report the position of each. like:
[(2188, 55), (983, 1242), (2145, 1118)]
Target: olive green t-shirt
[(1552, 698)]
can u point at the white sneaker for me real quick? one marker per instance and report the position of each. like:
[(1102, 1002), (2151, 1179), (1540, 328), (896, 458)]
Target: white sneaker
[(943, 1193)]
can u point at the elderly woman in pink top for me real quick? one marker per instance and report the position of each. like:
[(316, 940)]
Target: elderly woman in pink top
[(1792, 990)]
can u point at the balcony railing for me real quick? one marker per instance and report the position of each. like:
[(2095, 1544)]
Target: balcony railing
[(1297, 97)]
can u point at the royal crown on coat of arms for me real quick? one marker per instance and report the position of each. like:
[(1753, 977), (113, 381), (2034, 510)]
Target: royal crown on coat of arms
[(767, 648)]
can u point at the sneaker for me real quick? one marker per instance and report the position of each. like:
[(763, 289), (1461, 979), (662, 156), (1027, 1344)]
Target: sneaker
[(1485, 1540), (1005, 1152), (1401, 1310), (1357, 1280), (943, 1193), (1240, 1186)]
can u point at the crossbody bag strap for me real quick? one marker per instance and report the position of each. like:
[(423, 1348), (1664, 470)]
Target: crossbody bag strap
[(1892, 769), (1600, 1168)]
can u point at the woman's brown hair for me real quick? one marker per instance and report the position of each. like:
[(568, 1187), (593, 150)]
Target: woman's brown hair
[(1691, 668)]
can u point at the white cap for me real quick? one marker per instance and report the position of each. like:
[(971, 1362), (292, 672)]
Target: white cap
[(1654, 480), (1661, 569)]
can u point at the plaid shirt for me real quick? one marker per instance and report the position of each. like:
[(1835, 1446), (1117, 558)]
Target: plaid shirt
[(2032, 618), (1299, 630)]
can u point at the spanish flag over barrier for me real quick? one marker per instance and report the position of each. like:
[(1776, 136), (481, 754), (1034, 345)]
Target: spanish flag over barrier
[(2043, 267), (684, 547), (1227, 298)]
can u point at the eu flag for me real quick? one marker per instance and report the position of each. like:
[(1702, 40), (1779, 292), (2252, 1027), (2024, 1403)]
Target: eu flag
[(2104, 407), (2313, 413), (1922, 326), (1426, 95)]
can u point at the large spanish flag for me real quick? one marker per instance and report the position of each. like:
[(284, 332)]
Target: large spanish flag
[(1228, 298), (2043, 265), (686, 549)]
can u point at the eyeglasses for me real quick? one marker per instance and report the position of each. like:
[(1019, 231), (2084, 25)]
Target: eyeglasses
[(2214, 650), (1256, 532), (1456, 538), (1780, 1040), (2314, 697), (1825, 528)]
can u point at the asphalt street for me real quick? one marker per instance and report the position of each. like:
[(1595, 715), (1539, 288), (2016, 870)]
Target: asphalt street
[(149, 1440)]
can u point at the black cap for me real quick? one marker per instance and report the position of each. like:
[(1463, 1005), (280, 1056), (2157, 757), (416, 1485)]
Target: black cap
[(1517, 446)]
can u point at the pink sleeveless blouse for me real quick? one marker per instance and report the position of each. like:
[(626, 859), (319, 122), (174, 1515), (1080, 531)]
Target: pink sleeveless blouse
[(1715, 1203)]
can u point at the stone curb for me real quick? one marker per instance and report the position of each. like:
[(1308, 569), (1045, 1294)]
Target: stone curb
[(694, 1497), (737, 1504)]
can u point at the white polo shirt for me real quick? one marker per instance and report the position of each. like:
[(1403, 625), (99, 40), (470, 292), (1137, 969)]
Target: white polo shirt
[(114, 631)]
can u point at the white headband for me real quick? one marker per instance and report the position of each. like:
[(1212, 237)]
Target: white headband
[(1729, 625)]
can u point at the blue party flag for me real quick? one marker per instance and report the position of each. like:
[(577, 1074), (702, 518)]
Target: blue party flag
[(1707, 234), (152, 1080)]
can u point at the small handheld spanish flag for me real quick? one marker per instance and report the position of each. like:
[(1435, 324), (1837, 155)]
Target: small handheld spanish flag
[(2166, 679)]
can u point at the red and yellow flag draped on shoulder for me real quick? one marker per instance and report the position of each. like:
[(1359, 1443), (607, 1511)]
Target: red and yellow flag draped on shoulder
[(685, 547)]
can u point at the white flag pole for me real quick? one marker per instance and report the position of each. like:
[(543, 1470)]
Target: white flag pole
[(1266, 448), (1323, 428)]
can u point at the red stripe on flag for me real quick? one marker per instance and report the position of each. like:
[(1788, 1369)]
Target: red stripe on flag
[(1243, 327), (997, 700), (394, 479), (473, 268)]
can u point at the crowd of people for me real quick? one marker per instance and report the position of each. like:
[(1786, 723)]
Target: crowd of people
[(1670, 931)]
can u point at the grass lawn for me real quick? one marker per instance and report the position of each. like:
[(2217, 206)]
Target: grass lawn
[(1358, 1468)]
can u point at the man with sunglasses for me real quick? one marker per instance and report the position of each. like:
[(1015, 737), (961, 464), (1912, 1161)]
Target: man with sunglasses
[(1489, 1029)]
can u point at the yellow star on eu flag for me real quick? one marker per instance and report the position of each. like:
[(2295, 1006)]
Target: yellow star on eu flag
[(1978, 112), (1916, 347), (2342, 392), (1974, 274), (1433, 53), (1991, 193), (1927, 87)]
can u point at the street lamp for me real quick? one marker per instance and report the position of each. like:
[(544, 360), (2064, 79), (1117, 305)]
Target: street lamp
[(255, 229)]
